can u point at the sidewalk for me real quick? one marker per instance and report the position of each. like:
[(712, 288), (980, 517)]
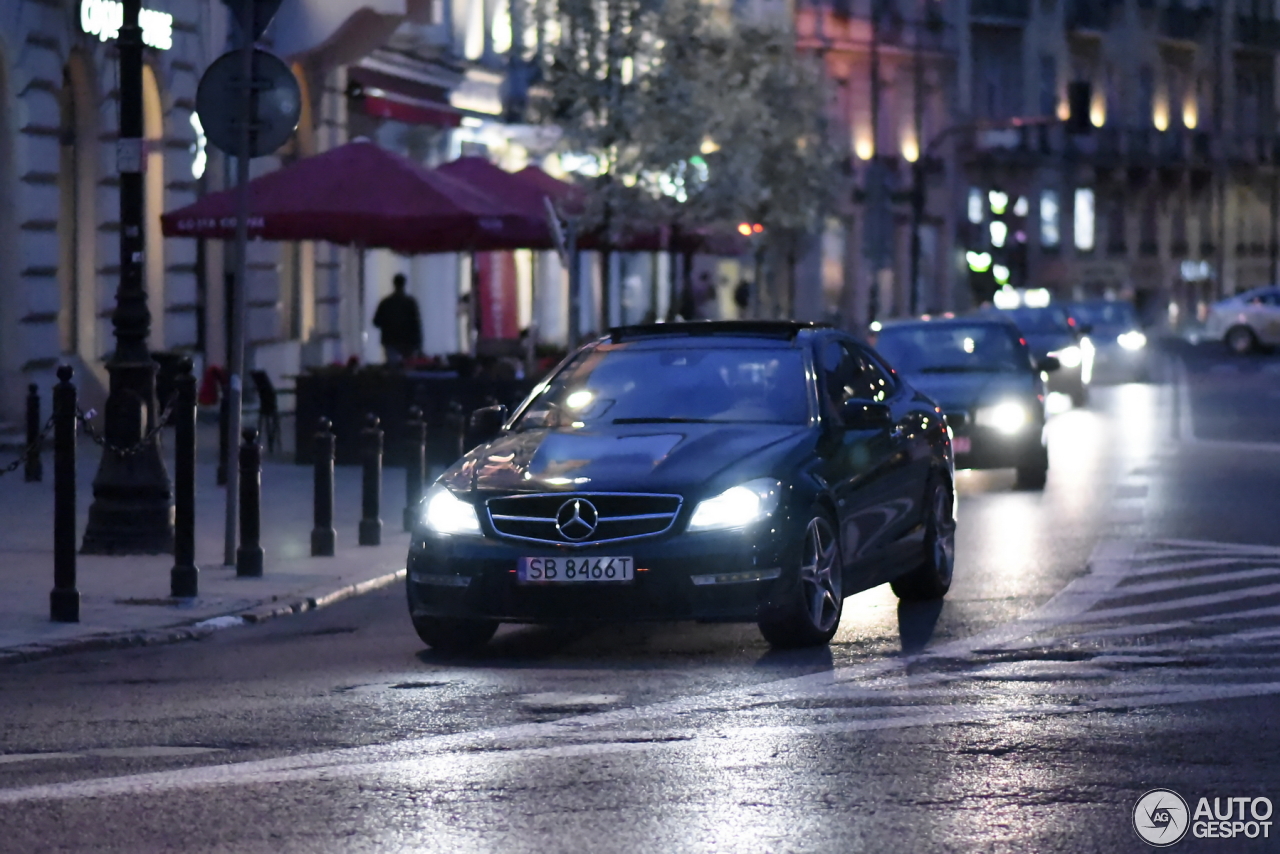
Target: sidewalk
[(124, 601)]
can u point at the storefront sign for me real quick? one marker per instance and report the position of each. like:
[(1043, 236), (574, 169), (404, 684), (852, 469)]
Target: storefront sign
[(103, 18)]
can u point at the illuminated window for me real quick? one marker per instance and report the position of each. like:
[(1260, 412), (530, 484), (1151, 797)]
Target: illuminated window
[(1084, 219), (977, 209), (1050, 230)]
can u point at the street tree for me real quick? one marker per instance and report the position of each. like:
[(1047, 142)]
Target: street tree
[(688, 117)]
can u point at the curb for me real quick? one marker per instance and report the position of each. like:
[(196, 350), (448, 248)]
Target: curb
[(197, 630)]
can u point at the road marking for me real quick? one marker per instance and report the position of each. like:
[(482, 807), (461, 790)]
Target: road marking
[(145, 752)]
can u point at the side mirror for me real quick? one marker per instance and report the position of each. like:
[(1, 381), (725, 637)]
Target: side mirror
[(1048, 364), (486, 425), (866, 415)]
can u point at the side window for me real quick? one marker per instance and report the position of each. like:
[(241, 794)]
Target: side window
[(848, 373), (878, 384)]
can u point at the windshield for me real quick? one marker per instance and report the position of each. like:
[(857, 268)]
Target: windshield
[(629, 385), (953, 348), (1039, 321), (1105, 314)]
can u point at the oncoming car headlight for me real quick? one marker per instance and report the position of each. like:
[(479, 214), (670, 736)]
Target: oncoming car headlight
[(1070, 356), (1008, 417), (1131, 340), (738, 506), (445, 513)]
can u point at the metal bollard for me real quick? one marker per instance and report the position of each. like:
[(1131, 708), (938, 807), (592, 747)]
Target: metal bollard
[(371, 452), (249, 554), (324, 539), (64, 600), (224, 427), (415, 470), (184, 578), (33, 470)]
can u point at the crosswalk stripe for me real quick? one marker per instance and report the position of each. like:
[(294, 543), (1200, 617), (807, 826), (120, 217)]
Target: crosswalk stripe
[(1182, 604)]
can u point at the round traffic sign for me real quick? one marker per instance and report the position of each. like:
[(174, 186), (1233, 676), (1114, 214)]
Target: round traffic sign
[(276, 103)]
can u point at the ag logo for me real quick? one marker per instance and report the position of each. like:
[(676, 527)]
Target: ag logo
[(1161, 817)]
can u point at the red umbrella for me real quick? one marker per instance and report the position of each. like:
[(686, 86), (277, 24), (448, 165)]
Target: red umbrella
[(570, 197), (363, 195)]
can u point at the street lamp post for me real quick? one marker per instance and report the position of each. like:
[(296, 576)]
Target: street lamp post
[(132, 510)]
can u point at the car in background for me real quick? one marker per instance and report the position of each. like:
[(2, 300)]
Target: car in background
[(715, 471), (1050, 331), (988, 383), (1120, 345), (1247, 321)]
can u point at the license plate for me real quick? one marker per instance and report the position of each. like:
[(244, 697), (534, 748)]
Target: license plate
[(962, 444), (573, 570)]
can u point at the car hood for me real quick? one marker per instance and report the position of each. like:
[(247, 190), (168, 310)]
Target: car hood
[(677, 458), (967, 391)]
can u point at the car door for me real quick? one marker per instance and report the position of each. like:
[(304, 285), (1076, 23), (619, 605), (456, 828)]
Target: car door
[(911, 466), (1264, 316), (865, 468)]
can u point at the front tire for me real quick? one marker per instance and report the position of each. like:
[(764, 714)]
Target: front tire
[(932, 578), (1034, 473), (1241, 340), (445, 634), (813, 615)]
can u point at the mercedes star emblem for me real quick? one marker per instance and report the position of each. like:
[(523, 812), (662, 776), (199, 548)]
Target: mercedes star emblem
[(577, 519)]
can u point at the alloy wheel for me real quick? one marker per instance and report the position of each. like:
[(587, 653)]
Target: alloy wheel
[(820, 581), (944, 538)]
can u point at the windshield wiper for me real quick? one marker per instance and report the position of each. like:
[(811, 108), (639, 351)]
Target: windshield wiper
[(659, 420)]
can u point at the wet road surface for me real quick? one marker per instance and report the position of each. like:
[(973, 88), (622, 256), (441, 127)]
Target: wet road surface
[(1114, 634)]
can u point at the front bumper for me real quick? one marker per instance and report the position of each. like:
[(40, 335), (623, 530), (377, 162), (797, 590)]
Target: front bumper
[(722, 576), (991, 449), (1070, 381)]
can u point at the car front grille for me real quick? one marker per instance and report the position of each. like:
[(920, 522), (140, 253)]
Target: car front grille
[(582, 519)]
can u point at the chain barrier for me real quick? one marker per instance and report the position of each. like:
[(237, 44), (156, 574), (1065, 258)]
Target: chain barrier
[(33, 448), (142, 443)]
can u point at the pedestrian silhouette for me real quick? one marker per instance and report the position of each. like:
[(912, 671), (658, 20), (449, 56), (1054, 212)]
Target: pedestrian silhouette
[(398, 320)]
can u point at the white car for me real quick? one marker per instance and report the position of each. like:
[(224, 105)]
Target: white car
[(1246, 321)]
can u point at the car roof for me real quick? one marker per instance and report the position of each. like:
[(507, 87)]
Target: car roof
[(782, 330), (963, 320)]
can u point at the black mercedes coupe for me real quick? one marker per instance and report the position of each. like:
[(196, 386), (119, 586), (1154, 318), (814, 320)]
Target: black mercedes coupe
[(715, 471)]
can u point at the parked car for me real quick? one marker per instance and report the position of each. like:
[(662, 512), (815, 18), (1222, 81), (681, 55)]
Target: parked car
[(1050, 331), (1246, 322), (1120, 345), (716, 471), (988, 383)]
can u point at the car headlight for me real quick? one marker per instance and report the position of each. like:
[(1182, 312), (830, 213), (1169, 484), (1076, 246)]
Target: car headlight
[(1132, 340), (445, 513), (1070, 357), (738, 506), (1008, 417)]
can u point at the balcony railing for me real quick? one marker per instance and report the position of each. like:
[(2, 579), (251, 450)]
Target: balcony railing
[(1014, 10), (1089, 14), (1182, 24), (1258, 32)]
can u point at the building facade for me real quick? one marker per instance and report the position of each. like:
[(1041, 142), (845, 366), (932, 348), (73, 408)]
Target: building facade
[(956, 116), (59, 221), (427, 78)]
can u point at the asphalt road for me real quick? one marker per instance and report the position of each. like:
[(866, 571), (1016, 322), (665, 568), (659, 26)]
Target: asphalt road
[(1115, 634)]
